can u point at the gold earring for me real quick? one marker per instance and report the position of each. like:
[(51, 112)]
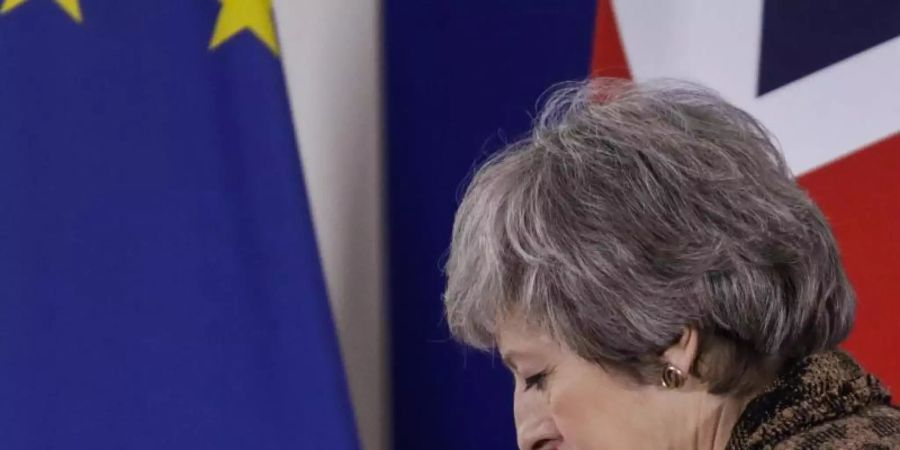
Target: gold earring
[(672, 377)]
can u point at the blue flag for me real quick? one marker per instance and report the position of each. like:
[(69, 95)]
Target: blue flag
[(459, 72), (160, 286)]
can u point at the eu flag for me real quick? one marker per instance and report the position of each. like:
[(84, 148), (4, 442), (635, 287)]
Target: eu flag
[(160, 286)]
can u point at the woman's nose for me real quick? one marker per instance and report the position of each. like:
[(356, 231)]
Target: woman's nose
[(533, 419), (527, 406)]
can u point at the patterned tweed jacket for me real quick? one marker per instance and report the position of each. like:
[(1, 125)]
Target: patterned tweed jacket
[(824, 402)]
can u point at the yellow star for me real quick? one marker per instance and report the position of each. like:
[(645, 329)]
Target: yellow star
[(238, 15), (71, 7)]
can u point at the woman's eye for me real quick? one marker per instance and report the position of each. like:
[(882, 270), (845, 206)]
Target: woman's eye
[(536, 380)]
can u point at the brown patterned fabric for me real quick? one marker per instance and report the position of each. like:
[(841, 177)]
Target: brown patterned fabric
[(823, 402)]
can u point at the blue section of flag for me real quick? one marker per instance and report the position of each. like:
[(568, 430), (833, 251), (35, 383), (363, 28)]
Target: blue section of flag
[(800, 37), (160, 286), (462, 78)]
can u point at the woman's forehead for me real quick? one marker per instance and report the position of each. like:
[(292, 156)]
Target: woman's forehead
[(516, 335)]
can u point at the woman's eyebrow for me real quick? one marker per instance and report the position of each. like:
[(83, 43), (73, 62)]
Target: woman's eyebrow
[(509, 357)]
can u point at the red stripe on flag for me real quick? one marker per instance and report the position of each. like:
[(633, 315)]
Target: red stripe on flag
[(608, 59), (860, 196)]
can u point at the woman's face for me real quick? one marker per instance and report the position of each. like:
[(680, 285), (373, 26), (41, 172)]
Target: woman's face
[(565, 402)]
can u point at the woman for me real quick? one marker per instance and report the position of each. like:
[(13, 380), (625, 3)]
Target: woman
[(654, 278)]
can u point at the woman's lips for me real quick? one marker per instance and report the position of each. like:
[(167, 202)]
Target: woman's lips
[(548, 444)]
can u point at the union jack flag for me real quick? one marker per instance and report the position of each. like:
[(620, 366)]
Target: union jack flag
[(823, 77)]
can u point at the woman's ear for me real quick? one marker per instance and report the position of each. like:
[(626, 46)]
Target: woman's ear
[(683, 354)]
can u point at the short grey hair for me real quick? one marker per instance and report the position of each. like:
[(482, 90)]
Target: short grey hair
[(634, 210)]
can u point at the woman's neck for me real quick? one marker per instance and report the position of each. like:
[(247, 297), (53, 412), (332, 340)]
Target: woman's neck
[(715, 419)]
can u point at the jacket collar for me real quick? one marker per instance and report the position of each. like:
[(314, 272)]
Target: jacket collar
[(814, 390)]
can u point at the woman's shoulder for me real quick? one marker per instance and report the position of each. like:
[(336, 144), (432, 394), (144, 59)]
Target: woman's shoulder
[(824, 401), (875, 428)]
